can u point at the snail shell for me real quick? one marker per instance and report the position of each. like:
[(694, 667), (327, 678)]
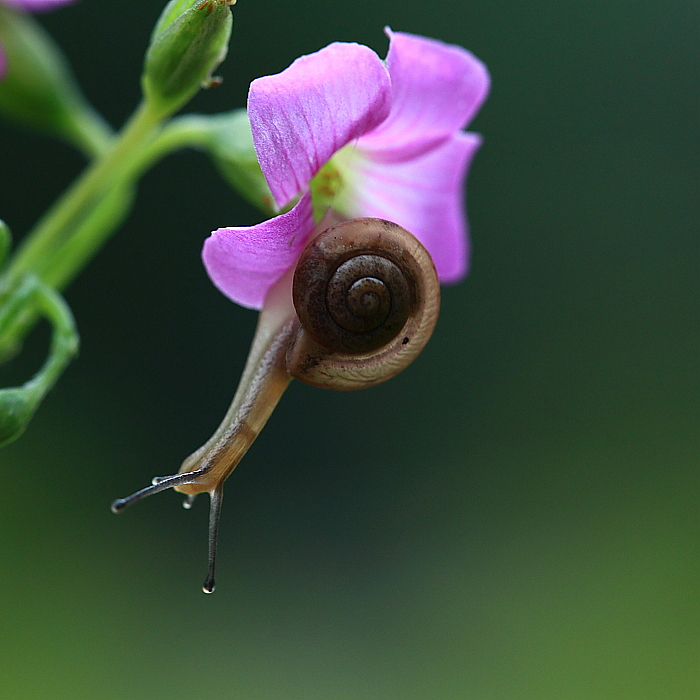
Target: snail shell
[(367, 297)]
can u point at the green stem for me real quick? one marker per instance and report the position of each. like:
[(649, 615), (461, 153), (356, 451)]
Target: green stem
[(5, 242), (90, 132), (92, 209), (102, 221), (64, 342), (73, 225), (56, 226), (109, 213), (89, 236), (78, 223), (18, 404), (190, 131)]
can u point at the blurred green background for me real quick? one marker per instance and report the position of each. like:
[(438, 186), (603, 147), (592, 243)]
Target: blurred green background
[(514, 517)]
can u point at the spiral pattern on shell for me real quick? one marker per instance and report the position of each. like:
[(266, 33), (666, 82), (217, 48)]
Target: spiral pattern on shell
[(357, 285)]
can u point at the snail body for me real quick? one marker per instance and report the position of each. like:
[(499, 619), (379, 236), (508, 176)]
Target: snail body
[(360, 305)]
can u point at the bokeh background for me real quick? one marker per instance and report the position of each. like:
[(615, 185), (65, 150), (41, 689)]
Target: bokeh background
[(514, 517)]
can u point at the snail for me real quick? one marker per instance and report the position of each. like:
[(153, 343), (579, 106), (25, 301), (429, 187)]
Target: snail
[(364, 301)]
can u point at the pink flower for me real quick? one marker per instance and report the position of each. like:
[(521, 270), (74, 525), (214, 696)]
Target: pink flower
[(29, 6), (35, 5), (342, 128)]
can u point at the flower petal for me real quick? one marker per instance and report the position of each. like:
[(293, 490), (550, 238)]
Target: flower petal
[(436, 90), (424, 195), (243, 263), (303, 115), (36, 5)]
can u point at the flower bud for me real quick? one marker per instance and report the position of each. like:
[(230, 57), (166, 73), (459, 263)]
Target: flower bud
[(38, 88), (17, 406), (188, 42)]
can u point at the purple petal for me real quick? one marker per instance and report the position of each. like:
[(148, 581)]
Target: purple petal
[(424, 195), (436, 90), (36, 5), (303, 115), (243, 263)]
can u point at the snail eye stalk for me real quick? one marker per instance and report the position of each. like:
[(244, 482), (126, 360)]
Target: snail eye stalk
[(161, 483), (216, 497)]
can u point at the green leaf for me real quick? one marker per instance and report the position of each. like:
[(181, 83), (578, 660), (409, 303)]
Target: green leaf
[(39, 89)]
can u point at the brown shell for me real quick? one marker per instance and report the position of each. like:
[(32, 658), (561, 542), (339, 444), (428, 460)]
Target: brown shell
[(367, 296)]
